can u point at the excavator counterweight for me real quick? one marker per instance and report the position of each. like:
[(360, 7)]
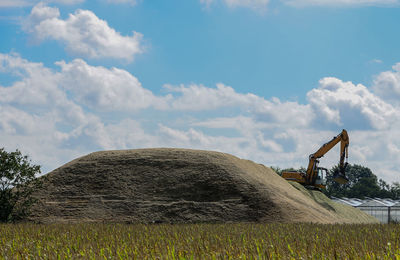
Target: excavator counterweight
[(313, 177)]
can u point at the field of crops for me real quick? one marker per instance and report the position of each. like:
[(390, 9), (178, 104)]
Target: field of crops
[(199, 241)]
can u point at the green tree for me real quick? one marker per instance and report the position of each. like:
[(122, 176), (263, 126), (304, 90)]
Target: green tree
[(395, 190), (17, 183), (385, 190), (362, 183)]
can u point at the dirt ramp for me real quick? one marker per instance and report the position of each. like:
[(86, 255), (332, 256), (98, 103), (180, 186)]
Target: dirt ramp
[(172, 185)]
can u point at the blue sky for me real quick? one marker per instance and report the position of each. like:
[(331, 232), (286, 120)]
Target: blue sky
[(269, 81)]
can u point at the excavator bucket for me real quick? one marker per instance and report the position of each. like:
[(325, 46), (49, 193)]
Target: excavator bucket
[(340, 178)]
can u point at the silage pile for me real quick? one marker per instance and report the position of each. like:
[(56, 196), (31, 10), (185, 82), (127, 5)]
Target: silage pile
[(178, 186)]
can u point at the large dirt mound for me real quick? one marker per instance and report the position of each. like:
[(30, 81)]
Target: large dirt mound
[(175, 185)]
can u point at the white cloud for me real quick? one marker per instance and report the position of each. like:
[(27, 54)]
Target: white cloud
[(240, 123), (83, 33), (106, 89), (58, 114), (199, 97), (36, 112), (37, 87), (341, 3), (387, 85), (96, 87), (288, 113), (15, 121), (40, 13), (192, 138), (346, 104)]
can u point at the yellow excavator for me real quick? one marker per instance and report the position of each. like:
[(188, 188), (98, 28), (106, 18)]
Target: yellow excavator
[(313, 178)]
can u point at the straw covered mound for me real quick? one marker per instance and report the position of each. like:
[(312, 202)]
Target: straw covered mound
[(178, 186)]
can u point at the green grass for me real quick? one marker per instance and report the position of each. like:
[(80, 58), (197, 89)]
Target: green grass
[(199, 241)]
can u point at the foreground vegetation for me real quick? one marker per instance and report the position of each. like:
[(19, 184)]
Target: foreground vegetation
[(199, 241)]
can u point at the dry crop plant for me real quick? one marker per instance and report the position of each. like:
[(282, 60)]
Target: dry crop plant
[(199, 241)]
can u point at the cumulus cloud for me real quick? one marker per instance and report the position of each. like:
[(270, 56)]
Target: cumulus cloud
[(346, 104), (387, 84), (43, 117), (40, 13), (95, 87), (106, 89), (288, 113), (199, 97), (195, 138), (37, 86), (202, 98), (83, 34), (341, 3), (240, 123)]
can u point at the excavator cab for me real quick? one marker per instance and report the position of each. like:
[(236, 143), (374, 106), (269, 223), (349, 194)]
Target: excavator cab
[(320, 180)]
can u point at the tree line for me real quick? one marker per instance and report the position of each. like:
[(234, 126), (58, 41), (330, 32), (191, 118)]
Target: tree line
[(362, 183)]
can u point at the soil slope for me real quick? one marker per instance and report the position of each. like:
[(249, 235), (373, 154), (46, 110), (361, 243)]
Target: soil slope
[(177, 186)]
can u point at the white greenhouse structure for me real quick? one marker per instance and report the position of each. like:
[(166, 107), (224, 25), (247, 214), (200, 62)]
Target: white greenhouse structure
[(385, 210)]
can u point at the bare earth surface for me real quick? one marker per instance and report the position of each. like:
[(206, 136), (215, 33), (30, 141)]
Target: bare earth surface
[(179, 186)]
